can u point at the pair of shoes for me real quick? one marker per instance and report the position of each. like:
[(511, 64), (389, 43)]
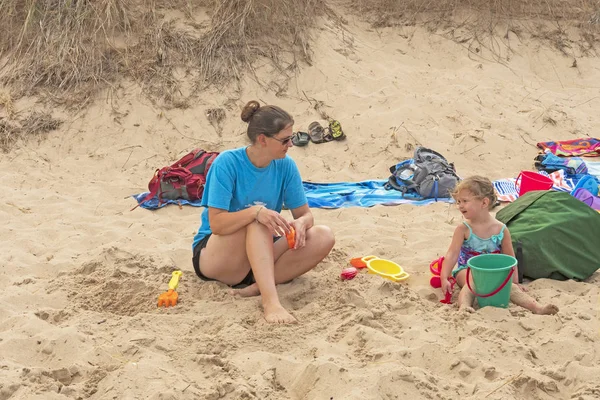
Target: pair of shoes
[(318, 135), (300, 139)]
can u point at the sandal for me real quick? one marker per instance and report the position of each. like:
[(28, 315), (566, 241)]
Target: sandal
[(316, 132), (335, 130), (300, 139)]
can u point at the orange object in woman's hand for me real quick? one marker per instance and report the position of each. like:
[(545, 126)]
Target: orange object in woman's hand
[(291, 238)]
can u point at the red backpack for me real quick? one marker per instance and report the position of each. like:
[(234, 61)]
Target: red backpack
[(184, 179)]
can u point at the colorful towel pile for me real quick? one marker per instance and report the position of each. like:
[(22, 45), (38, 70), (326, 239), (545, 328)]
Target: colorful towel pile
[(581, 173), (507, 191)]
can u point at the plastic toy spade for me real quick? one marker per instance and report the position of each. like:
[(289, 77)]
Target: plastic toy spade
[(169, 298), (436, 269)]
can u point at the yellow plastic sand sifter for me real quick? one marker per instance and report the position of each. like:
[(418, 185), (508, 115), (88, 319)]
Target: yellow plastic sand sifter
[(385, 268)]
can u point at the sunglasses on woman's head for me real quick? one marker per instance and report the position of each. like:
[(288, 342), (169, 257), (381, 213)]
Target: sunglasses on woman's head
[(284, 142)]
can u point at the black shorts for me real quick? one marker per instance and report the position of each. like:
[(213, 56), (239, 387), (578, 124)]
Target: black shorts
[(247, 281)]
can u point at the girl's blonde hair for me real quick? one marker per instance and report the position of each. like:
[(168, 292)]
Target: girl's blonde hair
[(479, 186)]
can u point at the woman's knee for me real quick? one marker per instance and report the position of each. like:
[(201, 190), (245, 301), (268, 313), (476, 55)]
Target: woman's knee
[(323, 237), (256, 228)]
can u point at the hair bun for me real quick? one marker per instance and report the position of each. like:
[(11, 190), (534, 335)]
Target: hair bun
[(249, 109)]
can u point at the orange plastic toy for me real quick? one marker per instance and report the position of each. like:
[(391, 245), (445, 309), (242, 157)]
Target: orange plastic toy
[(291, 238), (358, 262), (170, 297)]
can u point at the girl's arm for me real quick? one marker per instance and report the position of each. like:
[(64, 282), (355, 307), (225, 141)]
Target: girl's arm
[(453, 252), (507, 248), (451, 256)]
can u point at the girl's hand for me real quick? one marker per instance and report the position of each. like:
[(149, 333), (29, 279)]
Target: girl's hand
[(277, 225), (300, 229), (446, 286)]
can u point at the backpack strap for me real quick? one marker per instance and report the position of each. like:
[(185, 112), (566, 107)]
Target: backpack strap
[(434, 189), (153, 187)]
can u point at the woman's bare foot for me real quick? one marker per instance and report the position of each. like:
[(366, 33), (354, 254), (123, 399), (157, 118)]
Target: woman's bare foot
[(248, 291), (548, 309), (276, 314)]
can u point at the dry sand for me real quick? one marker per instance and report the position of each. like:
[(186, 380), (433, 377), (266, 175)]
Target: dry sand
[(81, 273)]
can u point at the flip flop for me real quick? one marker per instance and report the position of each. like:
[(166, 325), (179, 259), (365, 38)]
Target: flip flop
[(335, 130), (316, 132), (300, 139)]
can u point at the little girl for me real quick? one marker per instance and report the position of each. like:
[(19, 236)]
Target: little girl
[(481, 233)]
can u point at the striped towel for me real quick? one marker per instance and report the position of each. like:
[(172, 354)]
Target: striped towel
[(593, 168), (507, 191)]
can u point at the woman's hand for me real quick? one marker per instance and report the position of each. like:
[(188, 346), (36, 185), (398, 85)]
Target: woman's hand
[(300, 229), (277, 225)]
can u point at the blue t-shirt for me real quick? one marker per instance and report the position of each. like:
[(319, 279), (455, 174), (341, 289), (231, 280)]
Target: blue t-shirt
[(234, 183)]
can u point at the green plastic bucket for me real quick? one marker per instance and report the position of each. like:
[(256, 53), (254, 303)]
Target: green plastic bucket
[(492, 275)]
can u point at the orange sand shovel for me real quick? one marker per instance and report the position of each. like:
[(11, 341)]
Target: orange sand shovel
[(169, 298)]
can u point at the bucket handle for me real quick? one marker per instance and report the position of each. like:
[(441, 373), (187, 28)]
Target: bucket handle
[(402, 276), (517, 181), (512, 270), (366, 259), (436, 271)]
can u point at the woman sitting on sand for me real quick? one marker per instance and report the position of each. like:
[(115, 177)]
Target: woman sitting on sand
[(480, 233), (246, 188)]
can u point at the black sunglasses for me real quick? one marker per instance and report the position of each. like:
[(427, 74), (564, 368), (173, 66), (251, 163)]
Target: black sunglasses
[(285, 141)]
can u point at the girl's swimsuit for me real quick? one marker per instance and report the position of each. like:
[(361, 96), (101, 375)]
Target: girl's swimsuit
[(474, 246)]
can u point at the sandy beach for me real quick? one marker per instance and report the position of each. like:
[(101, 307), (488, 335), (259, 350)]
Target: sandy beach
[(81, 273)]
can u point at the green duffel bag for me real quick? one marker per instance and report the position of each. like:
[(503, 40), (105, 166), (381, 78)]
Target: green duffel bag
[(554, 235)]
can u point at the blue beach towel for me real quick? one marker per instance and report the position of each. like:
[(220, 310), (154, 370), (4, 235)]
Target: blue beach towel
[(359, 194), (330, 196)]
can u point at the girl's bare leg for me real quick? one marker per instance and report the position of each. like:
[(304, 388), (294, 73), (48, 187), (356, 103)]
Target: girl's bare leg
[(524, 300), (517, 296), (466, 298)]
